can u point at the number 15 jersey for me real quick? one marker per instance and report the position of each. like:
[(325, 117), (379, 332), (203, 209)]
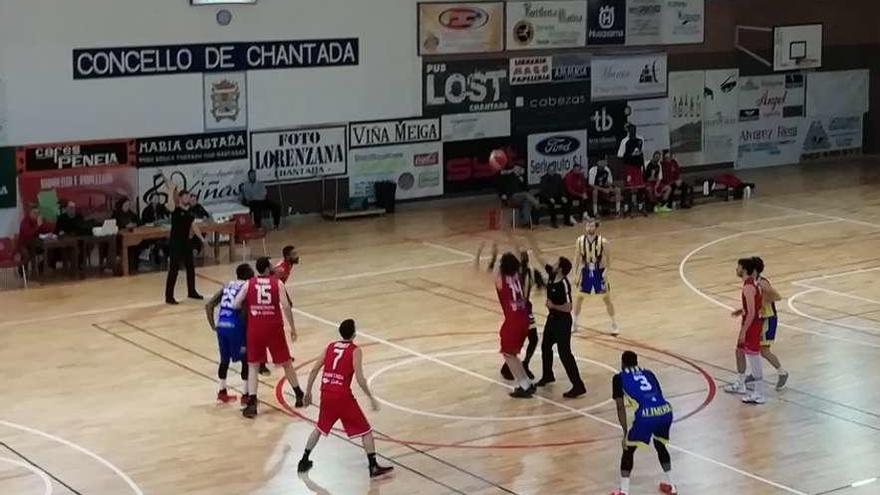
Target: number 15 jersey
[(338, 369)]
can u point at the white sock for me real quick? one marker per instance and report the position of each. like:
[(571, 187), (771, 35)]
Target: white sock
[(669, 478), (757, 366), (223, 384), (624, 485), (525, 384), (244, 388), (741, 379)]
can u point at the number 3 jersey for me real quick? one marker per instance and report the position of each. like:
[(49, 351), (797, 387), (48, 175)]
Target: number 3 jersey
[(641, 393), (338, 369)]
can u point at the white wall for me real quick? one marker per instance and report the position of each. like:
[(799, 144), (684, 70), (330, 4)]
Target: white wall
[(45, 104)]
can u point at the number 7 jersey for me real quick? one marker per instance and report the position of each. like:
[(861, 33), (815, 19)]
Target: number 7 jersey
[(338, 369)]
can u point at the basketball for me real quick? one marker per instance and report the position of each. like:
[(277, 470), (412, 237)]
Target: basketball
[(498, 159)]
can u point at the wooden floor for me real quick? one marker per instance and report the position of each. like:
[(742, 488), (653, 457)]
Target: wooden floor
[(108, 391)]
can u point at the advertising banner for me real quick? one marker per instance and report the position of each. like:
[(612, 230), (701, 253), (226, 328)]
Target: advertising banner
[(225, 101), (651, 118), (720, 130), (191, 148), (556, 152), (3, 123), (629, 76), (607, 127), (389, 132), (466, 163), (683, 21), (8, 184), (417, 169), (644, 22), (606, 22), (546, 24), (771, 141), (469, 126), (770, 97), (829, 134), (163, 60), (9, 222), (464, 86), (530, 70), (75, 155), (838, 92), (571, 67), (686, 111), (550, 107), (94, 190), (294, 155), (474, 27), (215, 182)]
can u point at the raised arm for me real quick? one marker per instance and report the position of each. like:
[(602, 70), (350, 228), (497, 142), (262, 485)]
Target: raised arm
[(362, 381), (211, 306), (171, 190)]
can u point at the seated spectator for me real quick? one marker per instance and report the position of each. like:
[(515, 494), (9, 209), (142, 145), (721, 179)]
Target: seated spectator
[(552, 195), (672, 178), (658, 193), (124, 214), (29, 231), (71, 222), (514, 192), (255, 197), (602, 185), (576, 190), (155, 211)]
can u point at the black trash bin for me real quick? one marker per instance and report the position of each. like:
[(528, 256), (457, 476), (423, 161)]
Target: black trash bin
[(386, 194)]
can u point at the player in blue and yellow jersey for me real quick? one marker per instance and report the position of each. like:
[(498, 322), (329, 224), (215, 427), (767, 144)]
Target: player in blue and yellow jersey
[(770, 321), (230, 328), (591, 262), (644, 415)]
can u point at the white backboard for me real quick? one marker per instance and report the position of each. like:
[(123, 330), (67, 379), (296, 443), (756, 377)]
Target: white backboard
[(797, 47)]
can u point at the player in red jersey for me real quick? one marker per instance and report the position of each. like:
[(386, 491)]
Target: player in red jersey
[(265, 297), (749, 341), (284, 269), (515, 328), (342, 361)]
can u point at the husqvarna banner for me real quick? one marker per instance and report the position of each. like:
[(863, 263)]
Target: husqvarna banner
[(473, 27)]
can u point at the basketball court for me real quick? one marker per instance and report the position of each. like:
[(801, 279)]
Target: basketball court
[(109, 391)]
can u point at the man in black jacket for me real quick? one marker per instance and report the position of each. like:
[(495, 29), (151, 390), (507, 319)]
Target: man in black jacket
[(71, 222), (514, 192), (552, 195)]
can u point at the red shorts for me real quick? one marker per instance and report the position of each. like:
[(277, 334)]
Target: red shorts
[(345, 409), (752, 343), (261, 338), (514, 332)]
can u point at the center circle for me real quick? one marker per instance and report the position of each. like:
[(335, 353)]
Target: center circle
[(430, 414), (47, 483)]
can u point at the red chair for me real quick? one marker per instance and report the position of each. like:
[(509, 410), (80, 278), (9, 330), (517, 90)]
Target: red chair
[(10, 259), (245, 231)]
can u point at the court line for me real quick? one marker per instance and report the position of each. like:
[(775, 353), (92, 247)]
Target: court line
[(121, 474), (266, 403), (802, 314), (716, 302), (430, 414), (832, 217), (835, 275), (90, 312), (838, 293), (441, 247), (598, 419), (47, 483), (32, 463)]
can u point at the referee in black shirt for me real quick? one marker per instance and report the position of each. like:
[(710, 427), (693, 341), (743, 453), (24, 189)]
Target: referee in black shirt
[(179, 245), (557, 329)]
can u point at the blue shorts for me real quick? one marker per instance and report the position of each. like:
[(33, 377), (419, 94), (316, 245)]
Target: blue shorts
[(768, 331), (644, 429), (593, 281), (231, 341)]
